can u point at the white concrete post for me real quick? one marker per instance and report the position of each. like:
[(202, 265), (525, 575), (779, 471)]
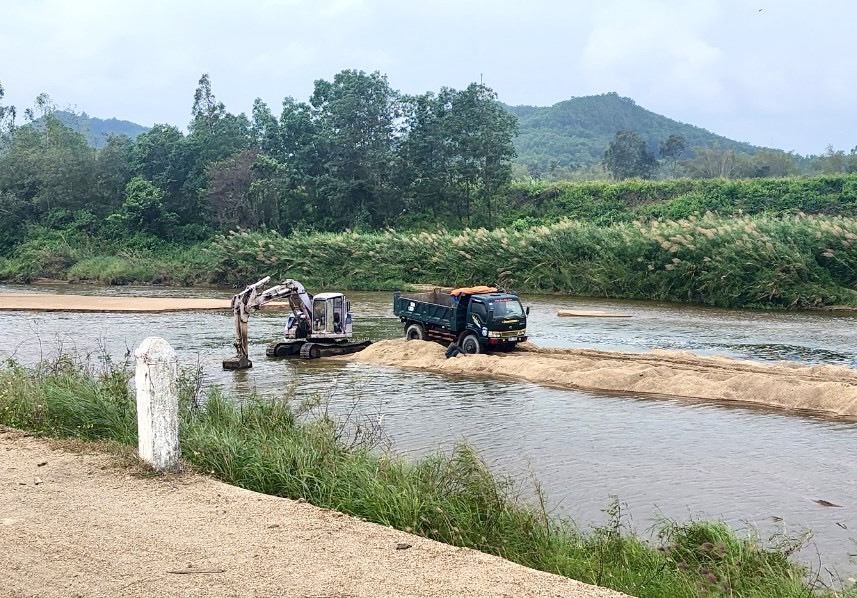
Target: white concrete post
[(158, 404)]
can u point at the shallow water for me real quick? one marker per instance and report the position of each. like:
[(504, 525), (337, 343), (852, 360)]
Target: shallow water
[(668, 457)]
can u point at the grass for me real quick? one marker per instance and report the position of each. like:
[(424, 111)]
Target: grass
[(748, 261), (270, 447), (783, 261)]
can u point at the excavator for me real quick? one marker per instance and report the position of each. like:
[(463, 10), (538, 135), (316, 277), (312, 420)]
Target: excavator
[(318, 326)]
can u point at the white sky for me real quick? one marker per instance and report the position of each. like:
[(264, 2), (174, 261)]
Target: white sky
[(778, 73)]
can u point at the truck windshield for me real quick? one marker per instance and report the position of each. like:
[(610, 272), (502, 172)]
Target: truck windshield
[(507, 308)]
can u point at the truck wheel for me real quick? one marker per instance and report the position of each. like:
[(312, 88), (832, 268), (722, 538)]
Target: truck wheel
[(469, 343), (415, 332)]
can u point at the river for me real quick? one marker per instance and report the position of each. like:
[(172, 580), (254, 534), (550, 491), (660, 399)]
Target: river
[(661, 457)]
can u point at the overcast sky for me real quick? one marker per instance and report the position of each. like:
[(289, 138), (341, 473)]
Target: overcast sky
[(777, 73)]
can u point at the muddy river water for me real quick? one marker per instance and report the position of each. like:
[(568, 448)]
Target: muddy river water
[(662, 457)]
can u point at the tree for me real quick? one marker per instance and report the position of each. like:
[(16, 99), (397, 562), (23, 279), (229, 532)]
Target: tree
[(457, 150), (163, 156), (773, 163), (672, 149), (7, 116), (114, 170), (143, 211), (484, 144), (626, 157), (51, 167), (354, 132), (835, 161), (214, 135), (242, 191), (717, 162)]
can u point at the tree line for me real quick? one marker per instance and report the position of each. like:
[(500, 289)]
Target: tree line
[(357, 154), (628, 156)]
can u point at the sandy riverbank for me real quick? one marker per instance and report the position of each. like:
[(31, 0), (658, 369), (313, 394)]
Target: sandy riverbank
[(100, 303), (75, 524), (89, 303), (785, 385)]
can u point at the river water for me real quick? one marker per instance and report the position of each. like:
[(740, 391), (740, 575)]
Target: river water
[(661, 457)]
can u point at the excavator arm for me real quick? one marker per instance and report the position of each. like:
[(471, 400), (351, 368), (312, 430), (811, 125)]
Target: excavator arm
[(252, 299)]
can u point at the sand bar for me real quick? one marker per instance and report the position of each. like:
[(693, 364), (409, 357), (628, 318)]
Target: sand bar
[(784, 385), (100, 303), (579, 313)]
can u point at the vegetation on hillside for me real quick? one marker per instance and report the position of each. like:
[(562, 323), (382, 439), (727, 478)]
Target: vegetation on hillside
[(97, 131), (273, 447)]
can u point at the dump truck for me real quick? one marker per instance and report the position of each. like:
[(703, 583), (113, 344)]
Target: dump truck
[(477, 319)]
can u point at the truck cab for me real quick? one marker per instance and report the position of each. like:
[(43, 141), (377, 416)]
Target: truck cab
[(497, 320)]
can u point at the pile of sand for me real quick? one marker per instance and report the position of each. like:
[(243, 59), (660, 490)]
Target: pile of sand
[(822, 388)]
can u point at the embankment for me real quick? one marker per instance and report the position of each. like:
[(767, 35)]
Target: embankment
[(820, 388)]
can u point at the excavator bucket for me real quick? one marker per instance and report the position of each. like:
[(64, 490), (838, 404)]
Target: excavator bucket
[(239, 362)]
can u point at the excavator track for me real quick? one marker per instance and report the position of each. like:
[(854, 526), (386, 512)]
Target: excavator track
[(316, 350), (284, 348)]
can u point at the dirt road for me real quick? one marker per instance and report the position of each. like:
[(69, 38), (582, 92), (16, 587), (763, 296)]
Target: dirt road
[(74, 524), (785, 385)]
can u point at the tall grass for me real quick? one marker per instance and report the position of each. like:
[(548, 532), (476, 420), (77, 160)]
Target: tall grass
[(268, 447), (735, 261), (796, 261)]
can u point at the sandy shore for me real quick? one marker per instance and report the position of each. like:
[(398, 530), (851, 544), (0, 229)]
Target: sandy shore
[(85, 303), (578, 313), (76, 524), (99, 303), (785, 385)]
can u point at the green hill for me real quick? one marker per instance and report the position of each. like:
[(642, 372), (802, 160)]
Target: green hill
[(575, 133), (97, 130)]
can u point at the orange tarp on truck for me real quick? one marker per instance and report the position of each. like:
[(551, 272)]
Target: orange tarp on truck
[(472, 290)]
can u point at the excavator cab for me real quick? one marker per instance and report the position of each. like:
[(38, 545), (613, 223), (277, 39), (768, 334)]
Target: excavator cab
[(330, 316)]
